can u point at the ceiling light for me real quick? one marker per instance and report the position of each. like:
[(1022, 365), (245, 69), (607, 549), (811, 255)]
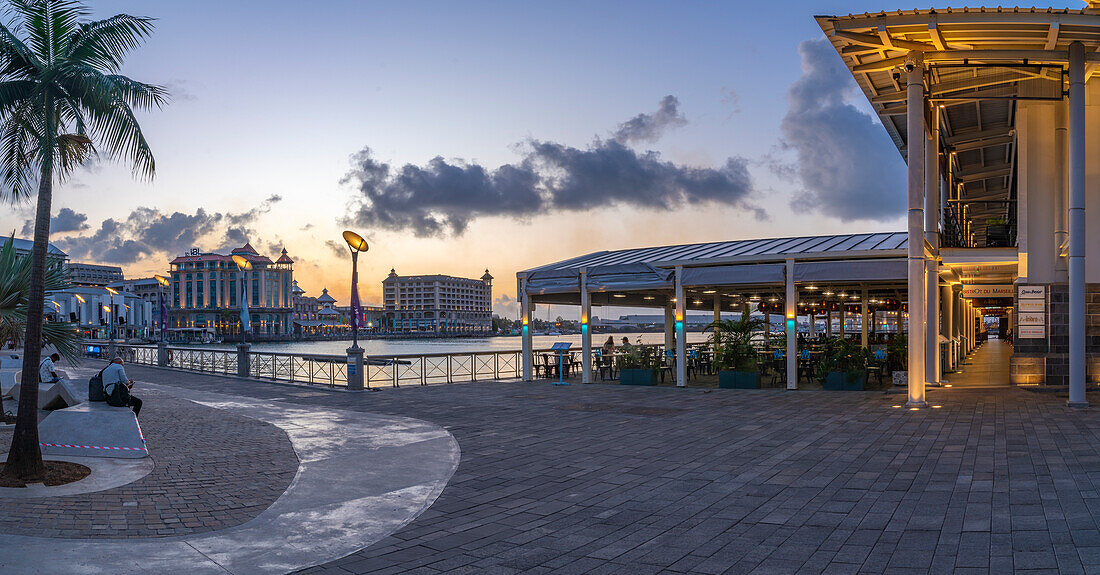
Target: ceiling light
[(619, 295), (773, 299), (754, 297), (649, 298), (709, 291), (827, 293), (698, 302), (811, 288)]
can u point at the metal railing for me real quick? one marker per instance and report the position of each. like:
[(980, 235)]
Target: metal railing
[(331, 370)]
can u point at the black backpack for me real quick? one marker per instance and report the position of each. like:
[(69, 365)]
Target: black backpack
[(95, 387)]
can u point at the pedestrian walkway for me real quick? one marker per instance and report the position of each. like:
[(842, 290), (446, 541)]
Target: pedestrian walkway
[(986, 367), (619, 479), (355, 479)]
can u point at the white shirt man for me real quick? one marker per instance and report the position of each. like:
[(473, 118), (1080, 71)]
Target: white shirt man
[(46, 371)]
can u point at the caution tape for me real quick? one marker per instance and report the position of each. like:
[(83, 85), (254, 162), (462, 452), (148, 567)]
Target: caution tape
[(94, 447)]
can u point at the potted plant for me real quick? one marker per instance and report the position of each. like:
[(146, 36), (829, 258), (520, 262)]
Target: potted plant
[(897, 359), (638, 365), (734, 356), (844, 366)]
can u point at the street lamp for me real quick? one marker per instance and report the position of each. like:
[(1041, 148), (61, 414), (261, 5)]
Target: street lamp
[(357, 244), (244, 265), (163, 311), (355, 353), (111, 324)]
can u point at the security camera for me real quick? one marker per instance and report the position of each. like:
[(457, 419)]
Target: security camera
[(909, 66)]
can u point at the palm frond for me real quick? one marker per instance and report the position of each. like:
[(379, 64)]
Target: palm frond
[(15, 279), (104, 44)]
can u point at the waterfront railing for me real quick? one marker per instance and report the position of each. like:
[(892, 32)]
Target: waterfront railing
[(332, 370)]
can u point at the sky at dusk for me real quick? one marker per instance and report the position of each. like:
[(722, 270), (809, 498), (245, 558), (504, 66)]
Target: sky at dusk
[(463, 136)]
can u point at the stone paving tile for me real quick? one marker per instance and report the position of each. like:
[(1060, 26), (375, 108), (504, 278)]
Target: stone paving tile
[(213, 470), (607, 479)]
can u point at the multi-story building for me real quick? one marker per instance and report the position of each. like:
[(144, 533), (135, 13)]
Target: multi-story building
[(83, 274), (438, 303), (149, 290), (207, 287), (23, 248), (101, 314)]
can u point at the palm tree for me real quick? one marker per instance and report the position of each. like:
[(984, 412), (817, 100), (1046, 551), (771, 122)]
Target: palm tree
[(61, 99)]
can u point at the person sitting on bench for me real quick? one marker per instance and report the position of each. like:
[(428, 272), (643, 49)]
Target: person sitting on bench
[(47, 373), (116, 375)]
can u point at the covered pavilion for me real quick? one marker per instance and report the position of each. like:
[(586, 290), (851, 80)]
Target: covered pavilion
[(1004, 100), (850, 273)]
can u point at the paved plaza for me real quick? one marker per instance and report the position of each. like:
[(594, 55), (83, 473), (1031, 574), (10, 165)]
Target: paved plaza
[(613, 479)]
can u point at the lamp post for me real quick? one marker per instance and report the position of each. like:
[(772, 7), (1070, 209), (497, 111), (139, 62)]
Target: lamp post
[(355, 353), (242, 348), (111, 324), (162, 314)]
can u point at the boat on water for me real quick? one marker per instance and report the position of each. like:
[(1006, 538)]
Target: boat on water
[(554, 332)]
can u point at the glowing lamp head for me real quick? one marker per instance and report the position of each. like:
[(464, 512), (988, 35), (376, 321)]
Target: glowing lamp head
[(113, 291), (78, 298), (162, 280), (242, 263), (106, 309), (355, 241)]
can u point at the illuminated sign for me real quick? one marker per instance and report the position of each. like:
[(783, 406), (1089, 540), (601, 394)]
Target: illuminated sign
[(1031, 305), (1031, 332), (1031, 318), (971, 291)]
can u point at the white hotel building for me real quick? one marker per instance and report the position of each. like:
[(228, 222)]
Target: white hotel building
[(438, 303)]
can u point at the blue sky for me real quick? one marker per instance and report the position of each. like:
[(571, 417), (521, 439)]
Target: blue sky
[(274, 102)]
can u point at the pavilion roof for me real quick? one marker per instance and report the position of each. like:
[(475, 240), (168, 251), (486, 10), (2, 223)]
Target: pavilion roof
[(980, 61), (884, 244)]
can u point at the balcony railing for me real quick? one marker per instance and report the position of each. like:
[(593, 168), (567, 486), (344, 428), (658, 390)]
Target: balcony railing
[(331, 370)]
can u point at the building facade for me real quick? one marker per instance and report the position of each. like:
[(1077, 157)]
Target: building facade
[(101, 314), (83, 274), (206, 289), (438, 303)]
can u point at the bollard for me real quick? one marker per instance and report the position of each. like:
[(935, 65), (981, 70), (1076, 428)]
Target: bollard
[(242, 359), (355, 369), (162, 354)]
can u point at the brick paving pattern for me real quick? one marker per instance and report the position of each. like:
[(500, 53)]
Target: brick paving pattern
[(609, 479), (213, 470)]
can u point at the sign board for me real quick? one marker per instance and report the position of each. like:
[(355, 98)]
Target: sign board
[(1031, 332), (987, 291), (1032, 318), (1025, 305), (1033, 292), (561, 346)]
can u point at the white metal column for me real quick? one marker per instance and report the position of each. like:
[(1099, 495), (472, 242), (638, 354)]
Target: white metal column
[(586, 331), (915, 150), (791, 323), (1061, 231), (947, 300), (670, 325), (864, 297), (932, 236), (1077, 225), (681, 354), (525, 336)]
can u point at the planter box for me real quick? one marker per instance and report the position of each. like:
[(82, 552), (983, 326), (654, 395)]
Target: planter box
[(739, 379), (638, 377), (843, 381), (900, 378)]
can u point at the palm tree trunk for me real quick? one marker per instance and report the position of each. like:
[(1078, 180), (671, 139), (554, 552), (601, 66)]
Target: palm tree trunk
[(25, 454)]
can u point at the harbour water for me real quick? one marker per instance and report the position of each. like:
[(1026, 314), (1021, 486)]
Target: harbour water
[(456, 345)]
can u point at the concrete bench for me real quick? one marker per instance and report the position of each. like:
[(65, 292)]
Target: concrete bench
[(10, 359), (92, 429), (58, 395)]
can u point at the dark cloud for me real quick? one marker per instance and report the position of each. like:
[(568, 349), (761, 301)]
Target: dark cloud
[(846, 163), (340, 250), (650, 127), (445, 196), (65, 221), (506, 306), (148, 231)]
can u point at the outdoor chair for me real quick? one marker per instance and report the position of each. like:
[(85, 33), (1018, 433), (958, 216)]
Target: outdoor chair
[(805, 365), (668, 364), (877, 365), (779, 367)]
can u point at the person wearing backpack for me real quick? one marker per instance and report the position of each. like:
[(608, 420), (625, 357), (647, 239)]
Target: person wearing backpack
[(117, 387)]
